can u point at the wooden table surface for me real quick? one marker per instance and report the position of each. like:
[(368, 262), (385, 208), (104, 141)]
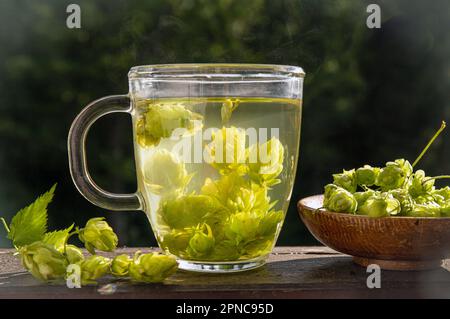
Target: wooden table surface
[(291, 272)]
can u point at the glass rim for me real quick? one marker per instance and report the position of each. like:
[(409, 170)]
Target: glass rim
[(215, 70)]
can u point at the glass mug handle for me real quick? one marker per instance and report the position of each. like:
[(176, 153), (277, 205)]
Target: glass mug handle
[(77, 155)]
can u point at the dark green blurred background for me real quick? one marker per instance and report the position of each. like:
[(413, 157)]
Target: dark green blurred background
[(370, 95)]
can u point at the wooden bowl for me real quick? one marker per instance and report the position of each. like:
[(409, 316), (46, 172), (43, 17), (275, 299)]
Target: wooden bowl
[(394, 243)]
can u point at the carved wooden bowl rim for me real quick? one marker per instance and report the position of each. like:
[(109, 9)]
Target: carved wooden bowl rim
[(305, 204)]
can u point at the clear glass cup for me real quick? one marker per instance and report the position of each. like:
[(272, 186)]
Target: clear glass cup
[(216, 148)]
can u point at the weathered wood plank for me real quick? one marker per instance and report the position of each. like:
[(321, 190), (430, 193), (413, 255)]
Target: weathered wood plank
[(292, 272)]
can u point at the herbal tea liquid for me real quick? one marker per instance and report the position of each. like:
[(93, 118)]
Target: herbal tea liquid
[(216, 173)]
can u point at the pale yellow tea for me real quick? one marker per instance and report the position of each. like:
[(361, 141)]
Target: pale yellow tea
[(217, 173)]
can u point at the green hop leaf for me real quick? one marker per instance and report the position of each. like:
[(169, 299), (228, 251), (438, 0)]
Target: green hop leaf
[(424, 199), (367, 175), (163, 120), (30, 223), (188, 210), (94, 267), (419, 185), (346, 180), (120, 265), (227, 109), (227, 152), (265, 162), (224, 189), (202, 242), (380, 205), (242, 227), (361, 197), (43, 261), (176, 241), (269, 224), (443, 192), (329, 189), (435, 198), (429, 209), (339, 200), (226, 249), (394, 175), (164, 172), (256, 248), (73, 254), (394, 207), (97, 234), (404, 198), (253, 198), (445, 209), (405, 166), (57, 238), (236, 194), (152, 267)]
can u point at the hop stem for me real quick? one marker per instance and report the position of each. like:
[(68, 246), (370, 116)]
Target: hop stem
[(76, 231), (5, 225), (435, 177), (429, 144)]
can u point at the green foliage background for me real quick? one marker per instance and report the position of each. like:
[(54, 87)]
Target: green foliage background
[(370, 95)]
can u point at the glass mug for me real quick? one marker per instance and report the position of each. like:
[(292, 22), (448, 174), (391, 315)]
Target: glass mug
[(216, 148)]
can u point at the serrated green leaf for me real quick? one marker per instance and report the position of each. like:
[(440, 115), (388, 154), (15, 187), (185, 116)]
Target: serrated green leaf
[(57, 238), (30, 223)]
